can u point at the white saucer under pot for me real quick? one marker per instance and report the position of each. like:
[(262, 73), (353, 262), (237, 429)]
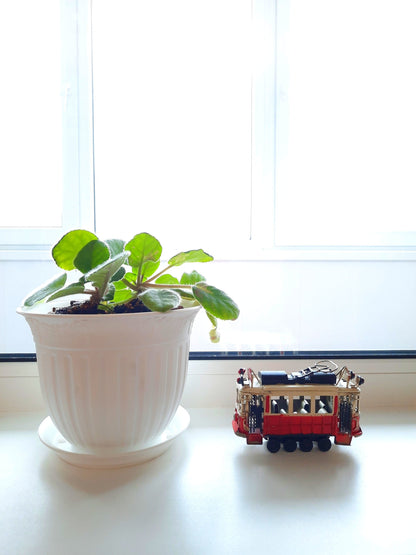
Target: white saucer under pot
[(110, 457)]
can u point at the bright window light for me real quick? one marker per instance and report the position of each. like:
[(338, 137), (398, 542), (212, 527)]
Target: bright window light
[(31, 114), (172, 119), (346, 123)]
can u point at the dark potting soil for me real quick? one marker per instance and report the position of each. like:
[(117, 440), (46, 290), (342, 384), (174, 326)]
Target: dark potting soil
[(88, 307)]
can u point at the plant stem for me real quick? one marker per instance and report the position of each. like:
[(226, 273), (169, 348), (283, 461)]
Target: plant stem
[(152, 278), (166, 285), (130, 285)]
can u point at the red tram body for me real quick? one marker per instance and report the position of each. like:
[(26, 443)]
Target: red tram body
[(304, 407)]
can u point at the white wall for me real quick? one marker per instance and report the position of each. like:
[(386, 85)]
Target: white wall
[(388, 383), (285, 305), (309, 305)]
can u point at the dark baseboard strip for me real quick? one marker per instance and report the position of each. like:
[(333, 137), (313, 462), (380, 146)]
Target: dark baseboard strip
[(257, 355), (299, 355), (18, 357)]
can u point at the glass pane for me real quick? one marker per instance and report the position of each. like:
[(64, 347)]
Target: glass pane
[(172, 119), (31, 114), (346, 122)]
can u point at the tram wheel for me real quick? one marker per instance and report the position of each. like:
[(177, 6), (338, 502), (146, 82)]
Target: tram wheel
[(273, 445), (324, 444), (306, 445), (289, 445)]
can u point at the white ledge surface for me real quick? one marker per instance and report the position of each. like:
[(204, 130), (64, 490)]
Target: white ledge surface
[(210, 493)]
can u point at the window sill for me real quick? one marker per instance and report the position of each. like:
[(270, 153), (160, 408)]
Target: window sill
[(209, 492)]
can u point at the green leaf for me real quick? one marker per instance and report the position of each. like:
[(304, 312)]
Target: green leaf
[(119, 274), (190, 256), (67, 248), (143, 248), (101, 276), (109, 293), (122, 293), (215, 301), (122, 296), (186, 294), (192, 278), (45, 290), (116, 246), (148, 269), (131, 276), (119, 285), (167, 279), (73, 289), (92, 255), (160, 300)]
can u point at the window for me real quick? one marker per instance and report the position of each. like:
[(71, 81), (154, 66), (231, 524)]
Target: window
[(301, 404), (324, 404), (211, 122), (31, 113), (340, 85), (279, 405), (172, 120), (45, 135), (348, 100)]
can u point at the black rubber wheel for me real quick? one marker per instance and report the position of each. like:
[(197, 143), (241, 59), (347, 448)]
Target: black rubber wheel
[(306, 445), (289, 445), (273, 445), (324, 444)]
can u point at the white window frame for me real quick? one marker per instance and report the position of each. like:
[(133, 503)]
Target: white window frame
[(77, 126)]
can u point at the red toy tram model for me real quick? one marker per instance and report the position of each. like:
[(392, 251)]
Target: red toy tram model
[(303, 407)]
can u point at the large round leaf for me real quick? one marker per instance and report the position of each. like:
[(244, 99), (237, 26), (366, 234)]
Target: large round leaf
[(160, 300), (92, 255), (72, 289), (148, 268), (116, 246), (192, 278), (66, 250), (167, 279), (143, 248), (215, 301), (122, 296), (40, 294), (190, 256)]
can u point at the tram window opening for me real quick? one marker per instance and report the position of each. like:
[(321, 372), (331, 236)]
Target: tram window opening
[(324, 404), (354, 400), (301, 404), (279, 405)]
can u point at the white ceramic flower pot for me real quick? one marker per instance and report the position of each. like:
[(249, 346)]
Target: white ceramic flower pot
[(112, 381)]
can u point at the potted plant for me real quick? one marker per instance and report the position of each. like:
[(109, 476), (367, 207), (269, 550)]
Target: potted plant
[(112, 341)]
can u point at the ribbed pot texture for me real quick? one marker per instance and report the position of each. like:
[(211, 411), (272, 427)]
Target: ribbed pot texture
[(112, 381)]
